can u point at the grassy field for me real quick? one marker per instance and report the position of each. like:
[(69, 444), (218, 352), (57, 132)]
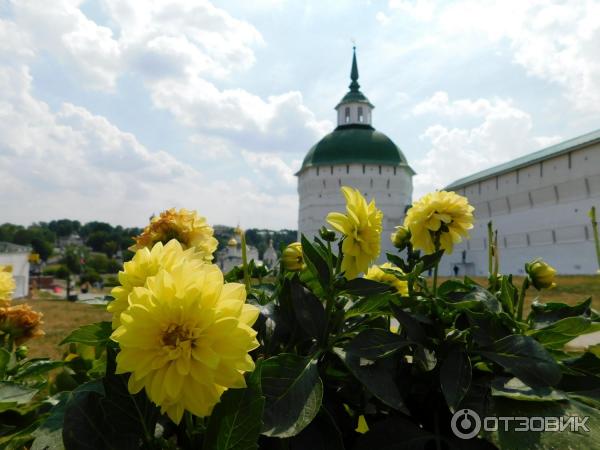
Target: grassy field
[(61, 316)]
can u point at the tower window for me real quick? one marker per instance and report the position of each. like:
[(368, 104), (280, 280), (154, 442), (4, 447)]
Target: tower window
[(363, 168), (371, 183), (347, 168), (331, 170), (347, 115), (387, 185), (360, 114), (317, 171), (379, 170), (394, 170)]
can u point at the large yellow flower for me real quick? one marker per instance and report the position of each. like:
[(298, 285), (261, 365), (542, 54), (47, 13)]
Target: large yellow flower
[(185, 338), (376, 274), (361, 226), (190, 229), (144, 264), (7, 284), (446, 216)]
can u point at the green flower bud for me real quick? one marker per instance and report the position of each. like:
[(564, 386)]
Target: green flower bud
[(292, 257), (327, 235), (541, 274), (21, 352), (400, 237)]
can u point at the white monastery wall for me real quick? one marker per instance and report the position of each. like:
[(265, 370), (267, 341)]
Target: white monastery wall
[(540, 210)]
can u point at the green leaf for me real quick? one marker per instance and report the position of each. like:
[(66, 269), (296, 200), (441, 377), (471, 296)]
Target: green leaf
[(49, 433), (544, 314), (517, 390), (375, 343), (377, 304), (105, 415), (455, 376), (525, 358), (94, 334), (128, 418), (365, 287), (515, 440), (377, 377), (4, 359), (16, 393), (316, 262), (83, 419), (557, 334), (309, 311), (588, 363), (36, 367), (508, 294), (409, 325), (236, 421), (293, 392), (451, 286), (476, 299), (321, 434)]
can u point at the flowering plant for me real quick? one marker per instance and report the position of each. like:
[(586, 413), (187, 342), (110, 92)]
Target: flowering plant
[(328, 350)]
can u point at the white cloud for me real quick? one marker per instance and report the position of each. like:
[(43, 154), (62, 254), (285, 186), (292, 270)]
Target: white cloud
[(504, 133), (268, 166), (72, 163), (419, 9), (553, 40), (182, 50)]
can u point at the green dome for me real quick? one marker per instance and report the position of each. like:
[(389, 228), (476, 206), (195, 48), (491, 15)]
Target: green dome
[(355, 144), (354, 97)]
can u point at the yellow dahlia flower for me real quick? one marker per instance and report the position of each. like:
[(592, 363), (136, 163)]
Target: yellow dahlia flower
[(21, 323), (185, 338), (361, 226), (541, 274), (144, 264), (444, 215), (292, 257), (190, 229), (7, 284), (376, 274)]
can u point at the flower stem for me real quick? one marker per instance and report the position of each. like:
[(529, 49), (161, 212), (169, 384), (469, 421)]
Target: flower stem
[(245, 262), (435, 277), (521, 300), (595, 233), (437, 263)]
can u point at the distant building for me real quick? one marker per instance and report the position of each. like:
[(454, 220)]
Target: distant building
[(356, 155), (270, 256), (72, 239), (17, 256), (231, 256), (539, 204)]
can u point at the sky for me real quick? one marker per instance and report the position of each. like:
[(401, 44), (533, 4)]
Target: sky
[(115, 110)]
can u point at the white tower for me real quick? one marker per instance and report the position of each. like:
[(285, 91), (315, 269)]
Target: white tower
[(355, 155)]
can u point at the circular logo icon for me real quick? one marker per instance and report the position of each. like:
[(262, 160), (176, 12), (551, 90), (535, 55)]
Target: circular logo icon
[(465, 423)]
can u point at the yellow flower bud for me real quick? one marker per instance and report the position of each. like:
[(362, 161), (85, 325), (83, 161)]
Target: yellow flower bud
[(400, 237), (292, 257), (541, 274)]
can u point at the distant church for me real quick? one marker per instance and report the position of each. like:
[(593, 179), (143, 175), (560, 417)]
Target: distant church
[(539, 202), (357, 155)]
